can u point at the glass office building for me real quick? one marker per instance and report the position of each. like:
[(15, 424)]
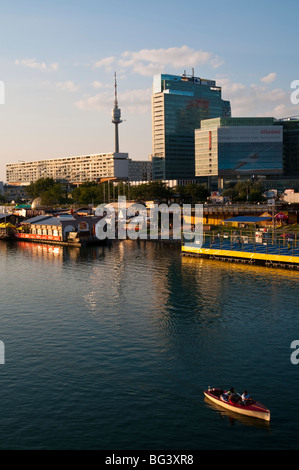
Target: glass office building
[(236, 147), (290, 146), (179, 104)]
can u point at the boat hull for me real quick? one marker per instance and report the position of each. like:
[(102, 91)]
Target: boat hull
[(255, 410)]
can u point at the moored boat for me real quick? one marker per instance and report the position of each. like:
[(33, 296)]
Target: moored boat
[(7, 231), (250, 407)]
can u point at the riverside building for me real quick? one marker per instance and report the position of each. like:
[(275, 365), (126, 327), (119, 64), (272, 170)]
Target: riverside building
[(236, 148), (179, 104), (290, 177), (74, 170)]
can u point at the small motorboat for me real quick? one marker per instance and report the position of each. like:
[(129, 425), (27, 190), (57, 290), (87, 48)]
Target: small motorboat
[(235, 403)]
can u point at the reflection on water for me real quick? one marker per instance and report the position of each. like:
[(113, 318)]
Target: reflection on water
[(234, 418), (117, 344), (251, 269)]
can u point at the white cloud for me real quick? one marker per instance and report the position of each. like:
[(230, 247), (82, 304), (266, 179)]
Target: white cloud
[(106, 63), (141, 68), (149, 62), (173, 56), (269, 78), (99, 101), (68, 86), (131, 101), (136, 101), (34, 64), (255, 99), (97, 84)]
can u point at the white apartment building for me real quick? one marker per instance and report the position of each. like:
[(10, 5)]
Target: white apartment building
[(74, 170)]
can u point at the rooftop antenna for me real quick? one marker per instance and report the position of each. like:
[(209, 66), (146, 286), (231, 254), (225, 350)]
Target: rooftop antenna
[(116, 114)]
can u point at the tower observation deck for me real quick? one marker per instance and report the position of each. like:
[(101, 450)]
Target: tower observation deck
[(116, 116)]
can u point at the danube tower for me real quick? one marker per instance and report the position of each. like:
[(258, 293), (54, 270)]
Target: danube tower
[(116, 113)]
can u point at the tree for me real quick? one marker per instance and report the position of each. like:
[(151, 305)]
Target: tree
[(41, 185), (193, 192), (151, 190), (54, 195), (50, 191), (256, 193), (88, 193), (245, 191), (231, 193)]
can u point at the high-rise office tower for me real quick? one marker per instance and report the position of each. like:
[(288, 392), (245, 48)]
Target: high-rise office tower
[(179, 104)]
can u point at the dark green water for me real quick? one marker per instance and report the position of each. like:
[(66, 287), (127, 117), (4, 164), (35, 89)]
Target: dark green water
[(111, 348)]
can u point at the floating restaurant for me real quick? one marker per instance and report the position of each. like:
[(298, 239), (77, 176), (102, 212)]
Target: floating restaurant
[(63, 229)]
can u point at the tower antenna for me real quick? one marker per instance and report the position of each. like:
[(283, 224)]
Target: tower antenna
[(116, 115)]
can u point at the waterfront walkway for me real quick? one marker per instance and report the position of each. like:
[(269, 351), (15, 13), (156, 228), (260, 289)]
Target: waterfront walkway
[(277, 246), (273, 251)]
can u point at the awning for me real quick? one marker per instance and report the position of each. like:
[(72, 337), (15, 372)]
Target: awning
[(281, 216), (243, 219), (6, 225)]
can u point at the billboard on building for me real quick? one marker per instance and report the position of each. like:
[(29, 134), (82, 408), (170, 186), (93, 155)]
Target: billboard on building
[(250, 150), (250, 134)]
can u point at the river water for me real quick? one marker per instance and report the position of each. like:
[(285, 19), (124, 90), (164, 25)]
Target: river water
[(112, 348)]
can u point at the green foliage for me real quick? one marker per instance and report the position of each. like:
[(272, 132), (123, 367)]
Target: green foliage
[(53, 195), (88, 193), (193, 192), (50, 191), (158, 190), (245, 191), (37, 188), (151, 190)]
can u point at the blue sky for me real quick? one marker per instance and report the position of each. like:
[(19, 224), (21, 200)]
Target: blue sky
[(58, 60)]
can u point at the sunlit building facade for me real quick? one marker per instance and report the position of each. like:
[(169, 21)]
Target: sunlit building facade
[(74, 170), (239, 147), (179, 104)]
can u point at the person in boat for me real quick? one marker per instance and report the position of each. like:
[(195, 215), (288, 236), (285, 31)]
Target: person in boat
[(246, 398), (229, 396), (233, 396)]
